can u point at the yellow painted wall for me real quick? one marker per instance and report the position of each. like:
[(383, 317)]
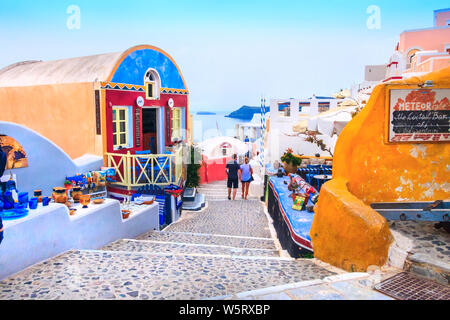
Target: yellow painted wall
[(63, 113), (346, 232)]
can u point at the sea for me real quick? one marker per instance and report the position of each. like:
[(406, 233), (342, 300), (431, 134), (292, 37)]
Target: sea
[(211, 126)]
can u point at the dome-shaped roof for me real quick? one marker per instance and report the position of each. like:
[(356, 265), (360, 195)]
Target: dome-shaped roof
[(127, 67), (75, 70)]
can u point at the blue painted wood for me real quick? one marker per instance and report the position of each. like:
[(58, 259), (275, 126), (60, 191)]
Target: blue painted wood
[(413, 211), (132, 70)]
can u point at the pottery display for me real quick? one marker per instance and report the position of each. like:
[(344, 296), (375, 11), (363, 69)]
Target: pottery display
[(33, 203), (126, 214), (45, 201), (23, 198), (38, 194), (59, 195), (76, 194), (85, 200), (98, 201)]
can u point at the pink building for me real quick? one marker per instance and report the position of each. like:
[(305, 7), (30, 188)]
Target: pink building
[(418, 52), (422, 50)]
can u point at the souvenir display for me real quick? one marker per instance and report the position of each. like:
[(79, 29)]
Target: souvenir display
[(60, 195), (34, 203), (8, 200), (23, 198), (144, 200), (299, 203), (315, 198), (76, 194), (126, 214), (45, 201), (98, 201), (85, 200), (100, 178), (67, 186), (38, 194)]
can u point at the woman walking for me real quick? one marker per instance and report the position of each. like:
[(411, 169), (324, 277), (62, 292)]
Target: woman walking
[(246, 178)]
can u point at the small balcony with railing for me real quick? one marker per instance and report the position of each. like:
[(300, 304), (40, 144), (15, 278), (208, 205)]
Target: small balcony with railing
[(143, 168)]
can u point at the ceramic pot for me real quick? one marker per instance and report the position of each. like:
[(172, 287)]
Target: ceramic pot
[(60, 195), (56, 191), (85, 200), (126, 214), (38, 194), (76, 194)]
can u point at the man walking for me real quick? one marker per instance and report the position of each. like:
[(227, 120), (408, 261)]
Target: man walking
[(233, 177)]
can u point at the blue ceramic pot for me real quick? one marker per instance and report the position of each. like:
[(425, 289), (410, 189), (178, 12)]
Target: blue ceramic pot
[(33, 203)]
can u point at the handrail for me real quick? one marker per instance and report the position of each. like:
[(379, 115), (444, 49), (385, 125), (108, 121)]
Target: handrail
[(136, 170), (312, 157)]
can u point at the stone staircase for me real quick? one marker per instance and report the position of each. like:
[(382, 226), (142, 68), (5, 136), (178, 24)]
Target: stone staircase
[(421, 249), (217, 191), (163, 266), (223, 250)]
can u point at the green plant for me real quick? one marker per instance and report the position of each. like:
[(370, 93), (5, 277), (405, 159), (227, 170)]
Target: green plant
[(290, 158), (192, 175)]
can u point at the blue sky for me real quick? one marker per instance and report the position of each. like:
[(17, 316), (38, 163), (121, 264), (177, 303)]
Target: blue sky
[(230, 52)]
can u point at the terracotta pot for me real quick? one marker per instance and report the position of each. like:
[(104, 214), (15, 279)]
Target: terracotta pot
[(98, 201), (85, 200), (126, 214), (60, 195), (38, 194), (76, 194)]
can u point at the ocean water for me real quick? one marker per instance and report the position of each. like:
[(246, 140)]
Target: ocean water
[(211, 126)]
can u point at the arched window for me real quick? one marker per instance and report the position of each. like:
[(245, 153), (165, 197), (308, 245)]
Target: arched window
[(410, 57), (152, 84)]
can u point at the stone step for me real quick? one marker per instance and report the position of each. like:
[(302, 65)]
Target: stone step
[(209, 239), (421, 249), (186, 248), (100, 275), (427, 267), (235, 218)]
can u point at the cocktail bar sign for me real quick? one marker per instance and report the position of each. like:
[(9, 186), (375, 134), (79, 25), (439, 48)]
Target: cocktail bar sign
[(419, 115)]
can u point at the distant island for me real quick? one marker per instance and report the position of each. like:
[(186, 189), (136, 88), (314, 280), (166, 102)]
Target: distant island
[(244, 113), (205, 113)]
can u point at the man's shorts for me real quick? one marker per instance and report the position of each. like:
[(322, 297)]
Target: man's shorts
[(233, 183)]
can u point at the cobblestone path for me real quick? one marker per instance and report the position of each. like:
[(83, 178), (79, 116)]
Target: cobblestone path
[(222, 250)]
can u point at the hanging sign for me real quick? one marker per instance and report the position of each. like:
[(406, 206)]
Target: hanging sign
[(419, 115), (140, 101), (137, 126)]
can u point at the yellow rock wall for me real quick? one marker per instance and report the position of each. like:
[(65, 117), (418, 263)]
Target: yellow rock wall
[(63, 113), (346, 232)]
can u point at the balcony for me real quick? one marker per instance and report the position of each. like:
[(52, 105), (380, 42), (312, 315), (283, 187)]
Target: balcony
[(137, 170)]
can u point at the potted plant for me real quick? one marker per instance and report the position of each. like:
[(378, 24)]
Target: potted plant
[(68, 186), (290, 161), (193, 167)]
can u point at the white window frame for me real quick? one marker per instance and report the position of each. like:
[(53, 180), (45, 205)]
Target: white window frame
[(152, 77)]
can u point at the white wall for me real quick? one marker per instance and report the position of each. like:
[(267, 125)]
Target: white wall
[(48, 165), (50, 231)]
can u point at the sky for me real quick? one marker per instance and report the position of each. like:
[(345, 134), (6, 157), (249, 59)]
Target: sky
[(230, 52)]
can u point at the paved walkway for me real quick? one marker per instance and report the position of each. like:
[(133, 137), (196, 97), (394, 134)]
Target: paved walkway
[(221, 252)]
